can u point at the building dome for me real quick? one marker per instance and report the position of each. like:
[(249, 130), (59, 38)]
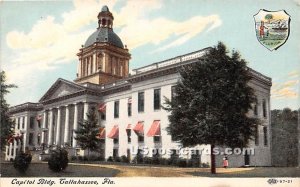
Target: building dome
[(104, 34)]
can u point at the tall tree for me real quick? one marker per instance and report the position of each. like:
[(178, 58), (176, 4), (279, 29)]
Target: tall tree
[(284, 137), (211, 102), (87, 132), (6, 124)]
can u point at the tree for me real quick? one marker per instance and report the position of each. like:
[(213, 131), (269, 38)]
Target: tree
[(211, 102), (87, 132), (7, 125), (269, 17), (284, 137)]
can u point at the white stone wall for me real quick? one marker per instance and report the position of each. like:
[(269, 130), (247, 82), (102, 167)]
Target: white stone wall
[(24, 127), (262, 153)]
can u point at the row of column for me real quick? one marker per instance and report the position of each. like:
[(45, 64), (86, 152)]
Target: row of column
[(67, 124), (88, 65)]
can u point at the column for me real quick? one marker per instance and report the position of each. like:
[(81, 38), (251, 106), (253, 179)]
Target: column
[(57, 140), (85, 110), (15, 148), (94, 63), (43, 127), (66, 134), (50, 134), (6, 151), (25, 134), (10, 149), (91, 65), (75, 125)]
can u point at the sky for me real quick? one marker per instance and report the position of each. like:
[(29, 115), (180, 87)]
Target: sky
[(40, 39)]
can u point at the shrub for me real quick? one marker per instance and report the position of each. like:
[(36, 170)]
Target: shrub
[(100, 158), (147, 160), (22, 161), (93, 158), (124, 159), (189, 163), (110, 159), (181, 163), (117, 159), (155, 160), (138, 159), (193, 163), (58, 160), (173, 161), (163, 161), (204, 165), (73, 158)]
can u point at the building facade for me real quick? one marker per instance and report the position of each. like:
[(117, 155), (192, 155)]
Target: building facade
[(129, 106)]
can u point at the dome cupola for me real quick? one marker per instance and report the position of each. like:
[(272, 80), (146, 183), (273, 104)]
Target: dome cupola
[(104, 32)]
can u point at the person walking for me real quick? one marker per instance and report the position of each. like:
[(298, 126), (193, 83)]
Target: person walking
[(225, 162)]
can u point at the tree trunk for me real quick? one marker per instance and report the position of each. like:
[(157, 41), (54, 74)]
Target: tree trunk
[(213, 160)]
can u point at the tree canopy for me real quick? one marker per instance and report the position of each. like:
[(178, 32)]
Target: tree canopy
[(212, 100), (87, 132), (6, 123), (284, 137)]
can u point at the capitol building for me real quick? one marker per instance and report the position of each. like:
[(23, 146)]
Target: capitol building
[(128, 105)]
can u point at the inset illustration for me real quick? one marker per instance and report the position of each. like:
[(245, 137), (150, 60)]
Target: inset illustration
[(272, 28)]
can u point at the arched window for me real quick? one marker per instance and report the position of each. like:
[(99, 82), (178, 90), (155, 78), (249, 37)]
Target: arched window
[(108, 23), (103, 22)]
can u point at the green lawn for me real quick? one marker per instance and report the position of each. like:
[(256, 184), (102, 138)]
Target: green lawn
[(41, 170), (98, 169), (256, 172)]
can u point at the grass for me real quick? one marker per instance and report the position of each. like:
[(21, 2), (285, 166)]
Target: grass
[(42, 170), (127, 170)]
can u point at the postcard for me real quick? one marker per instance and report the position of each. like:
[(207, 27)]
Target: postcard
[(150, 92)]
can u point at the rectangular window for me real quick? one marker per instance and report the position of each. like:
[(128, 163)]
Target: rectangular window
[(256, 135), (129, 108), (141, 101), (128, 131), (23, 122), (173, 92), (116, 109), (30, 141), (31, 124), (39, 140), (156, 154), (265, 136), (128, 154), (141, 139), (196, 154), (264, 108), (174, 154), (115, 153), (157, 139), (103, 116), (156, 99), (116, 140), (39, 123), (255, 108), (19, 121)]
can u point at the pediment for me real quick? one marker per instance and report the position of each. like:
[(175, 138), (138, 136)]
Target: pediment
[(61, 88)]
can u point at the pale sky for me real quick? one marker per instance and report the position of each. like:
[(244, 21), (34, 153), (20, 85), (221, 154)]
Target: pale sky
[(40, 39)]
